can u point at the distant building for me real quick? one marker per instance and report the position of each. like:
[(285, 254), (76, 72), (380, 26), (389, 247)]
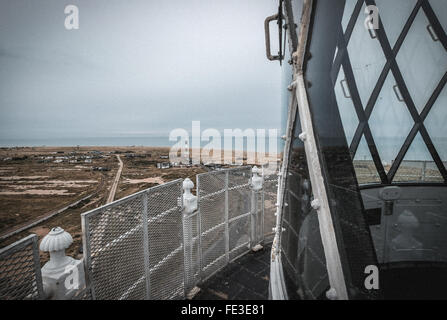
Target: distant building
[(130, 155), (213, 166), (163, 165)]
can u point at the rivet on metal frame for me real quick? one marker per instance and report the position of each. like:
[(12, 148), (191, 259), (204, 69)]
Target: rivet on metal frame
[(315, 204)]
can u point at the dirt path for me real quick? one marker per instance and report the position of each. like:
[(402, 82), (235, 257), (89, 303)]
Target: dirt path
[(115, 181)]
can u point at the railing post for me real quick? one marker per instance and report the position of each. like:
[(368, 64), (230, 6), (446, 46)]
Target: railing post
[(227, 227), (62, 276), (147, 271), (189, 210), (256, 183)]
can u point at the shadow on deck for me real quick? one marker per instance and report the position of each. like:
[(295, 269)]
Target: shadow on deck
[(244, 279)]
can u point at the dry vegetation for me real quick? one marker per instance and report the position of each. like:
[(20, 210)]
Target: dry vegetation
[(142, 173), (34, 184)]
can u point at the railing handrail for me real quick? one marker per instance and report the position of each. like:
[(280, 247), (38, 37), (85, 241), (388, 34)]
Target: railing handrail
[(127, 198)]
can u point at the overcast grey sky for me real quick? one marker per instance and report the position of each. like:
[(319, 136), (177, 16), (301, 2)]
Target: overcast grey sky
[(135, 67)]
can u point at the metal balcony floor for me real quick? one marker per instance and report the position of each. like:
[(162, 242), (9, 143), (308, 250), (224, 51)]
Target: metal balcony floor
[(247, 278)]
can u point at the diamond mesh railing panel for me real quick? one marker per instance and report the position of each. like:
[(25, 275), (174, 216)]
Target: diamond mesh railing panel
[(213, 251), (114, 253), (165, 236), (212, 204), (224, 200), (239, 207), (238, 192), (192, 256), (239, 236), (20, 276), (212, 211), (239, 226), (133, 246), (85, 294)]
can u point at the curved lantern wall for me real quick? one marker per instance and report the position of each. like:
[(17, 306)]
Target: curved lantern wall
[(378, 107), (302, 253), (391, 92), (390, 89)]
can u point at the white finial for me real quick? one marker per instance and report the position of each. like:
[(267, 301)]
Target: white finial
[(62, 276), (56, 240), (331, 294), (256, 180), (315, 204), (188, 185)]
